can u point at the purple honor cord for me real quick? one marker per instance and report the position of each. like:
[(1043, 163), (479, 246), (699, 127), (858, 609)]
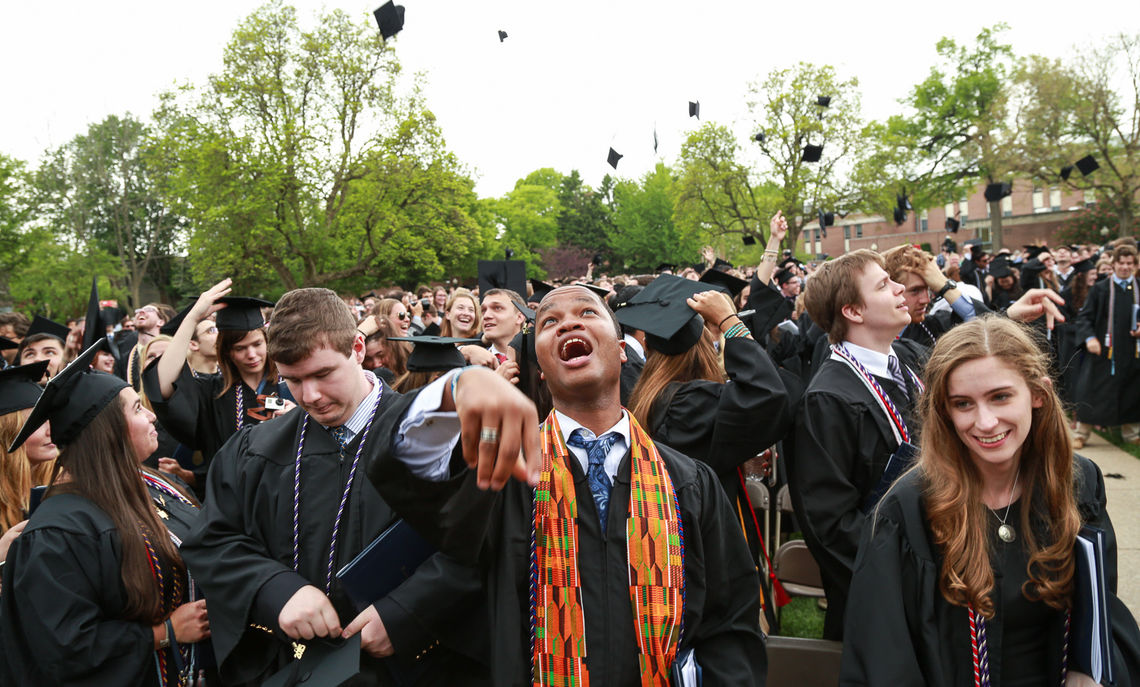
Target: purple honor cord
[(343, 497)]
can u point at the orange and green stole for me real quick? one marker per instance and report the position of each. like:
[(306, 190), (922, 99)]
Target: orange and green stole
[(655, 550)]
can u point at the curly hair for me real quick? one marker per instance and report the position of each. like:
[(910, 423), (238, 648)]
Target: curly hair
[(953, 484)]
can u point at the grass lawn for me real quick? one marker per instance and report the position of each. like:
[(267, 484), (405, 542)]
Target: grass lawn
[(801, 618), (1113, 436)]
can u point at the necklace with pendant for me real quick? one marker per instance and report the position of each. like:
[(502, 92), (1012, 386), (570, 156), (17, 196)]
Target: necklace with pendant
[(1005, 531)]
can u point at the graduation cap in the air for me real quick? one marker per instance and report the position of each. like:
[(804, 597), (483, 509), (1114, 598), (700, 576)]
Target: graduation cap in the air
[(1087, 165), (823, 100), (502, 274), (826, 219), (241, 314), (1066, 172), (435, 353), (19, 386), (390, 18), (661, 311), (540, 289), (758, 137), (42, 325), (72, 399), (812, 153), (715, 277), (175, 322), (995, 192), (952, 225), (324, 662), (695, 108), (748, 239), (721, 264), (502, 35), (613, 158)]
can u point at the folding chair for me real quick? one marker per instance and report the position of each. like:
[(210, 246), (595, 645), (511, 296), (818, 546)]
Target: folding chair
[(800, 662)]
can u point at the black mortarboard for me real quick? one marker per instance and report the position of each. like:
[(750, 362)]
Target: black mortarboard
[(502, 35), (655, 139), (784, 276), (19, 386), (601, 292), (72, 399), (661, 311), (759, 137), (748, 239), (715, 277), (527, 313), (823, 100), (1087, 165), (666, 266), (899, 215), (323, 663), (999, 268), (434, 353), (826, 219), (241, 314), (613, 158), (540, 289), (995, 192), (1034, 251), (7, 344), (952, 225), (172, 326), (502, 274), (1086, 265), (695, 108), (390, 18), (812, 153), (1066, 171), (721, 264), (42, 325), (93, 327)]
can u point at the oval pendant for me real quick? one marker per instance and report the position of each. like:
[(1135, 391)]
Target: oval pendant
[(1006, 533)]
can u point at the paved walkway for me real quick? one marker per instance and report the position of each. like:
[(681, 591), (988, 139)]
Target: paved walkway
[(1124, 509)]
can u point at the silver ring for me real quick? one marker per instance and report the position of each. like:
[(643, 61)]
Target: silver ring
[(489, 435)]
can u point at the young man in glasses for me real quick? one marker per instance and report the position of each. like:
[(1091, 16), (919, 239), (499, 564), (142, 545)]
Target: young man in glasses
[(203, 354)]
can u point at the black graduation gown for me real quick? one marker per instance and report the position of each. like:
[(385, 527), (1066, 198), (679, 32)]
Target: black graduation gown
[(843, 443), (723, 425), (1107, 398), (198, 418), (493, 528), (241, 553), (630, 371), (934, 325), (1070, 350), (63, 597), (902, 631)]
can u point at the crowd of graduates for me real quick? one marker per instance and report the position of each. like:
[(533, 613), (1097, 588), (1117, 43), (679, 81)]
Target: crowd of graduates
[(193, 496)]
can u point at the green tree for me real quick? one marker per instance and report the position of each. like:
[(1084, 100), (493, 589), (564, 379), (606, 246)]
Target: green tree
[(299, 160), (1069, 110), (584, 222), (526, 218), (958, 132), (785, 110), (13, 214), (644, 234)]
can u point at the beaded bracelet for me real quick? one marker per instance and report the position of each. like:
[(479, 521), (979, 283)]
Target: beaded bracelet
[(736, 331)]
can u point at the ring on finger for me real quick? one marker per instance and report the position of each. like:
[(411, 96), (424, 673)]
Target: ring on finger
[(489, 435)]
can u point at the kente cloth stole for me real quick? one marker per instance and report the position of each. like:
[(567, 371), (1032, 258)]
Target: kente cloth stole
[(655, 551)]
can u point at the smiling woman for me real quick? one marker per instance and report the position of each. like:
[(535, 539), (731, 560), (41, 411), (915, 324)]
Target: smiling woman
[(976, 543)]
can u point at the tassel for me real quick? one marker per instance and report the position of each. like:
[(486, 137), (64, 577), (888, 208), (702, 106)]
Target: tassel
[(781, 595)]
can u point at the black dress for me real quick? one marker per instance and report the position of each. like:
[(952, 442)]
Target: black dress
[(1107, 391), (902, 631), (493, 529), (241, 553), (843, 444), (62, 603)]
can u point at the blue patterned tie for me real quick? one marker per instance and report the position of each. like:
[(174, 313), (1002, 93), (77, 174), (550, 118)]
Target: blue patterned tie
[(897, 373), (596, 452), (340, 434)]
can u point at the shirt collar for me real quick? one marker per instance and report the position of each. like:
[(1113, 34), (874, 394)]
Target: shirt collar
[(874, 361), (1122, 282), (355, 424), (613, 460), (633, 343)]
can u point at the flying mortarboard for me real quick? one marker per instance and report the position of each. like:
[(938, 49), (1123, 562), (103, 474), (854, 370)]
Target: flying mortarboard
[(695, 108), (748, 239), (1066, 172), (899, 215), (758, 137), (435, 353), (19, 386), (952, 225), (812, 153), (72, 399), (715, 277), (42, 325), (323, 662), (826, 219), (241, 314), (390, 18), (502, 274), (823, 100), (613, 158), (995, 192), (1087, 165), (175, 322), (660, 310), (502, 35)]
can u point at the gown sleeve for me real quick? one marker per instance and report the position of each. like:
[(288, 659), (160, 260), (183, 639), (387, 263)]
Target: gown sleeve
[(57, 582), (184, 413)]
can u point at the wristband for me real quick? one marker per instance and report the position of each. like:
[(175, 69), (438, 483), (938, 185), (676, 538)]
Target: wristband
[(165, 641), (455, 381), (726, 320)]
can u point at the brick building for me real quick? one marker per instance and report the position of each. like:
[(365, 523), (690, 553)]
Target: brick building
[(1031, 215)]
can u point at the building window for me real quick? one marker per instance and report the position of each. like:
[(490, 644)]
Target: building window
[(807, 236), (1038, 199), (817, 235), (1090, 197), (1055, 199), (1007, 206), (963, 211), (858, 231), (847, 233)]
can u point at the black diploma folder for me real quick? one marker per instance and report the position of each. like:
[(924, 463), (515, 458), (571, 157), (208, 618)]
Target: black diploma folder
[(384, 564), (1091, 648)]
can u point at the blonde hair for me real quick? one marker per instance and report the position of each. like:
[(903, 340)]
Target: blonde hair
[(445, 326), (17, 474), (959, 521)]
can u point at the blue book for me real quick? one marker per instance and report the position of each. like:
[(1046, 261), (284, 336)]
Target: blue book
[(384, 564), (1091, 648)]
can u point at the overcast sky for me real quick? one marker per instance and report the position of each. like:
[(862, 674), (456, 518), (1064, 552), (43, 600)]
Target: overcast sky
[(572, 78)]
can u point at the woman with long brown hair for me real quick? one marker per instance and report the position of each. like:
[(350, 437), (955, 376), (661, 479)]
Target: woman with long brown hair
[(95, 590), (462, 317), (966, 570)]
